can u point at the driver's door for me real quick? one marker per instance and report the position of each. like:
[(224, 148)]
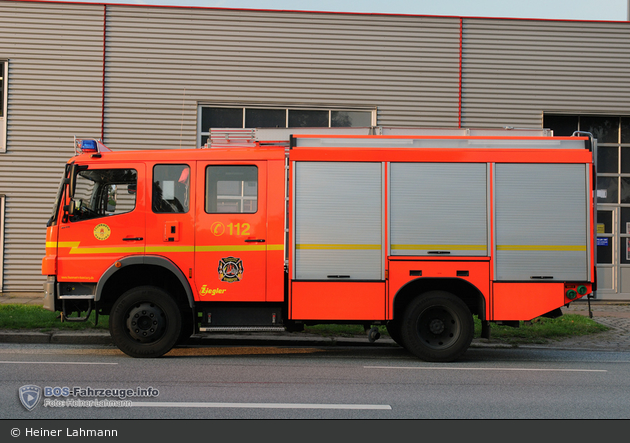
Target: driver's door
[(106, 224)]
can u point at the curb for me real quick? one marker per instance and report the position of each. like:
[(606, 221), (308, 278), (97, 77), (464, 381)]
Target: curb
[(32, 337), (104, 338)]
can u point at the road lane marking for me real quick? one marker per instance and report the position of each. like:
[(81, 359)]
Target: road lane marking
[(55, 363), (484, 369), (152, 404)]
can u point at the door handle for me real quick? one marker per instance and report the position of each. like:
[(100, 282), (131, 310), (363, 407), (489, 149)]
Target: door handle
[(132, 239), (254, 240)]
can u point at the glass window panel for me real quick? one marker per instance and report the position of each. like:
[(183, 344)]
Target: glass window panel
[(104, 192), (607, 160), (561, 125), (625, 129), (171, 188), (604, 129), (350, 118), (624, 250), (625, 220), (265, 118), (1, 88), (221, 118), (308, 119), (625, 190), (250, 188), (607, 190), (625, 160), (605, 218), (231, 189), (604, 250)]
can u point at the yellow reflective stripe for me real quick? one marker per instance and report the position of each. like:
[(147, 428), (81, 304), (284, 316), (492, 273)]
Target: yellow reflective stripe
[(579, 248), (114, 250), (351, 247), (75, 249), (228, 248), (170, 249), (443, 247), (63, 244)]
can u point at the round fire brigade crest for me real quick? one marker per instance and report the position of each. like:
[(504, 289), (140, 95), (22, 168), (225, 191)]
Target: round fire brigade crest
[(102, 231), (230, 269)]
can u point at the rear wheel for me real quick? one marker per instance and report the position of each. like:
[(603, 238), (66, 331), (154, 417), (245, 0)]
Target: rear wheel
[(145, 322), (437, 326)]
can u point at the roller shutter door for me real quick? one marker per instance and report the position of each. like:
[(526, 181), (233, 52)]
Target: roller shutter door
[(541, 222), (439, 209), (338, 221)]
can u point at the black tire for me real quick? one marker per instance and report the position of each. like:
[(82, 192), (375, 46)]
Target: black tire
[(187, 327), (145, 322), (437, 327), (393, 329)]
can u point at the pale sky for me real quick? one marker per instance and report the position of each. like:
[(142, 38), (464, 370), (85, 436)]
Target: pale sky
[(616, 10)]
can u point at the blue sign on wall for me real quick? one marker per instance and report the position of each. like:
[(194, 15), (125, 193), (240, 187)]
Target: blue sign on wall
[(602, 241)]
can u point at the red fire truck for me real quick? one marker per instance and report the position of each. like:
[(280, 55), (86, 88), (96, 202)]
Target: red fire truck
[(418, 231)]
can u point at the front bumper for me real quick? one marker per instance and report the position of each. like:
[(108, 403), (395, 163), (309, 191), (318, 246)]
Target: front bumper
[(49, 293)]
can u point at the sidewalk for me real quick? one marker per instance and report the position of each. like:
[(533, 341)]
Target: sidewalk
[(615, 315)]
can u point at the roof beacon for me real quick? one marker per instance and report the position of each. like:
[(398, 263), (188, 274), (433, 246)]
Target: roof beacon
[(89, 145)]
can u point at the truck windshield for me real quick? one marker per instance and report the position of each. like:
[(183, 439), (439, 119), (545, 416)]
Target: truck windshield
[(104, 192), (55, 210)]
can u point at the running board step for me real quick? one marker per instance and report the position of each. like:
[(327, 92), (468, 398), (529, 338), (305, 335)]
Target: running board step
[(242, 329)]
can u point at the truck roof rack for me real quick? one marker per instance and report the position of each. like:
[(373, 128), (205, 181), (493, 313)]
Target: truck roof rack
[(228, 137)]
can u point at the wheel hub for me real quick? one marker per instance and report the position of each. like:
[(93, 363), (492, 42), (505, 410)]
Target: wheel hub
[(436, 326), (146, 322)]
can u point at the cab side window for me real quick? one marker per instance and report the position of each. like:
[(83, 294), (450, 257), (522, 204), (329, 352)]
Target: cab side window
[(171, 189), (231, 189), (103, 193)]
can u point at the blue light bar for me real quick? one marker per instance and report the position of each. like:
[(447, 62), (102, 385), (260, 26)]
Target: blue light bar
[(89, 146)]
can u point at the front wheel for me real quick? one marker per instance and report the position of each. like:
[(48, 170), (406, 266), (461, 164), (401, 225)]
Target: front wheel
[(145, 322), (437, 326)]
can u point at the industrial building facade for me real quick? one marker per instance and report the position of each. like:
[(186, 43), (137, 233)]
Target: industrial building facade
[(144, 77)]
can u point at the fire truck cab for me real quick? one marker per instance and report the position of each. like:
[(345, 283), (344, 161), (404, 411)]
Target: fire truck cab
[(417, 232)]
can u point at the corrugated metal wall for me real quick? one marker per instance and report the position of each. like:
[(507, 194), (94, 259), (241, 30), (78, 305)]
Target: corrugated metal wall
[(162, 61), (55, 77), (514, 70)]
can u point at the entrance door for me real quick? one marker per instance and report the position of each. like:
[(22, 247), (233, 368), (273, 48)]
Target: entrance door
[(606, 247), (231, 231), (170, 219)]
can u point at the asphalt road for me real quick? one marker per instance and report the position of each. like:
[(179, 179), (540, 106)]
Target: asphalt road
[(232, 382)]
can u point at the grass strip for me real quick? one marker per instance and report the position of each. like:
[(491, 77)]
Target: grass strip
[(18, 316), (540, 330)]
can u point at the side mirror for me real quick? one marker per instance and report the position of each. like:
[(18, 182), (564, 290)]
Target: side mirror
[(68, 210), (111, 198)]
